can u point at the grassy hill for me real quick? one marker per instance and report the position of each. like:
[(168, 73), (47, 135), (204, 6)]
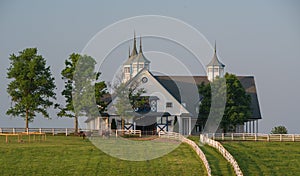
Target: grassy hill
[(266, 158), (61, 155)]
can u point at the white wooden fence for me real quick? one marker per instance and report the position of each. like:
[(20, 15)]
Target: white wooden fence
[(217, 145), (254, 137), (177, 136), (129, 132), (53, 131)]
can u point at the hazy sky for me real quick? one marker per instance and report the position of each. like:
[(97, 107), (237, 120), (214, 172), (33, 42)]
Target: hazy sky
[(259, 38)]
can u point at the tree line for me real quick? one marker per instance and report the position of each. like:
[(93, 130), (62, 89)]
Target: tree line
[(32, 89)]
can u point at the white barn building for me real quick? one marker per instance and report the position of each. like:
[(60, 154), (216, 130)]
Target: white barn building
[(171, 104)]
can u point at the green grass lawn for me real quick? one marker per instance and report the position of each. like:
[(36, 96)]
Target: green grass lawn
[(61, 155), (266, 158), (218, 164)]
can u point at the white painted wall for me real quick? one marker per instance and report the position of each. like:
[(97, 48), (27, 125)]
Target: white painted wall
[(154, 88)]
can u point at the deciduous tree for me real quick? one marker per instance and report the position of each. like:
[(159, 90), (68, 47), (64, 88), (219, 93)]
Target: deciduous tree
[(237, 108), (82, 91), (32, 86)]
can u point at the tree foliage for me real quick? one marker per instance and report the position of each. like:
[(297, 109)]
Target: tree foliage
[(82, 91), (279, 130), (128, 99), (32, 87), (237, 108)]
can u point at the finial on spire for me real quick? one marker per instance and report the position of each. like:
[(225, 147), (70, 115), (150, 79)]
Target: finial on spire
[(141, 51), (215, 46), (129, 51), (134, 50), (134, 42)]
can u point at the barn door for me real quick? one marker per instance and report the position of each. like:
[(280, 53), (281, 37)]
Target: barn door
[(162, 124)]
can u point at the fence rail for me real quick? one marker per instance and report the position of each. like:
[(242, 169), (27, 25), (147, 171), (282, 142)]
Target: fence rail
[(177, 136), (254, 137), (129, 132), (217, 145), (53, 131)]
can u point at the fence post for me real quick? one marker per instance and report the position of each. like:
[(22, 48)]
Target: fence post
[(280, 137), (0, 130), (232, 136), (293, 137), (40, 130), (255, 137), (53, 131), (223, 136), (14, 131), (66, 131), (214, 136), (243, 136), (268, 138)]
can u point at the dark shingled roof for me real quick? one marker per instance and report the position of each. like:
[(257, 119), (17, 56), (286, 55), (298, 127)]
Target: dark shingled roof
[(183, 89)]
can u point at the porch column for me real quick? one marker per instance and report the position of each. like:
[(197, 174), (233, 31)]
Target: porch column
[(179, 124), (256, 126), (250, 131), (190, 125), (99, 123)]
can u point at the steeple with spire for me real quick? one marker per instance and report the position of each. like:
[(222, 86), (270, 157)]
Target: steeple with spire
[(141, 51), (134, 50), (135, 63), (214, 68)]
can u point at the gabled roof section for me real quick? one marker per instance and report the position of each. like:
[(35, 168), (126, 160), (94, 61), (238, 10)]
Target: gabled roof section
[(146, 71), (111, 97)]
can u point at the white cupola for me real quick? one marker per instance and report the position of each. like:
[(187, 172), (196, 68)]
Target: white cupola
[(135, 62), (215, 68)]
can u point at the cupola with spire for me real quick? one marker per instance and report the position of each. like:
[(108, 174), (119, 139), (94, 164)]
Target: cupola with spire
[(135, 62), (215, 68)]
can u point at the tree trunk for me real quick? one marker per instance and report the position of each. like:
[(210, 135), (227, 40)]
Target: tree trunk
[(123, 125), (76, 125), (26, 120)]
